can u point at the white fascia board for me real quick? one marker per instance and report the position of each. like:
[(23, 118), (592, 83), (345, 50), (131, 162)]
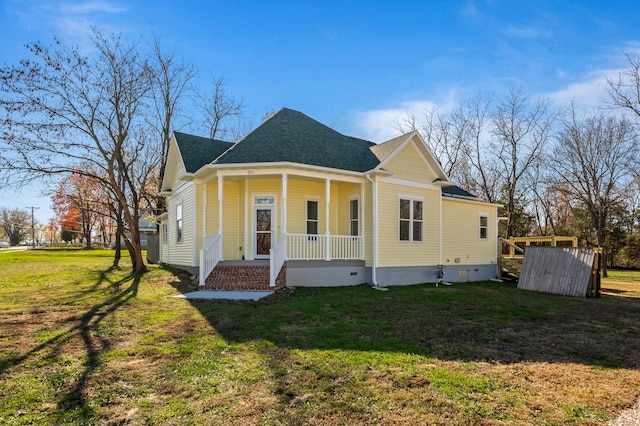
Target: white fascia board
[(258, 169), (461, 199)]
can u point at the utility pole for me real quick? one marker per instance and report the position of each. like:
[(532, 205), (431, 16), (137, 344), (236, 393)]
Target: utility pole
[(33, 228)]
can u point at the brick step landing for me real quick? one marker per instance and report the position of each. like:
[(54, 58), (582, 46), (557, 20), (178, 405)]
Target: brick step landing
[(243, 277)]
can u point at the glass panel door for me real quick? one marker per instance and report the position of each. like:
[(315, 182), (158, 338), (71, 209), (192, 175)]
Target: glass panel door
[(263, 232)]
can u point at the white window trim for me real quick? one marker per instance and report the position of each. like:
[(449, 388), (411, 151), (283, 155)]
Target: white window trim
[(410, 198), (481, 215), (275, 228), (165, 233), (179, 228), (254, 196), (306, 214), (356, 198)]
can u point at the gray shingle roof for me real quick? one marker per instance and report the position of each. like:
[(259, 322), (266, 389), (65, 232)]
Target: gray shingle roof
[(290, 136), (197, 151), (456, 191)]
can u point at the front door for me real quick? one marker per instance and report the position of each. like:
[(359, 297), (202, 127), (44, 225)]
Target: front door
[(263, 228)]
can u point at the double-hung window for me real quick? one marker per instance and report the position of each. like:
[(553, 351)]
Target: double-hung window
[(312, 217), (410, 216), (354, 218), (484, 227), (179, 223)]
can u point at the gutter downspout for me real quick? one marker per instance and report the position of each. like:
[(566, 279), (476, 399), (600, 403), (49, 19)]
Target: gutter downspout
[(440, 196), (374, 229)]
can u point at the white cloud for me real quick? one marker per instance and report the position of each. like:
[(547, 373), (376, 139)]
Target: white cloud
[(527, 32), (68, 19), (469, 9), (380, 125), (592, 92), (92, 7)]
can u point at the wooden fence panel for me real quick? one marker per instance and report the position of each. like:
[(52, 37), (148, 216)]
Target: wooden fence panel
[(557, 270)]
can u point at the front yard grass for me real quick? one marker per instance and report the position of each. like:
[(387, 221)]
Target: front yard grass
[(83, 343)]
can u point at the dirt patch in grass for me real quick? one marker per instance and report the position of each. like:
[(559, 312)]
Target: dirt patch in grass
[(110, 349)]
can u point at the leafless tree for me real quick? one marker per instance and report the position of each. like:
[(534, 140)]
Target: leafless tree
[(520, 131), (61, 108), (483, 177), (625, 89), (171, 78), (589, 161), (625, 94), (221, 111)]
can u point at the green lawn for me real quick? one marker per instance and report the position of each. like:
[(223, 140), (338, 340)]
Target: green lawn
[(81, 343)]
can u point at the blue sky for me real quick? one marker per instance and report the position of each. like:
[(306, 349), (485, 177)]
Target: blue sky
[(354, 65)]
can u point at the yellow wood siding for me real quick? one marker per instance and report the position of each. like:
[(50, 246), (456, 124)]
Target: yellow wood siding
[(393, 252), (197, 229), (410, 164), (175, 169), (212, 208), (231, 220), (233, 217), (368, 225), (461, 233), (181, 253), (300, 191), (346, 192)]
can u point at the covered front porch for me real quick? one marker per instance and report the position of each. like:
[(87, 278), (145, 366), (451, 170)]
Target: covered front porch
[(269, 217)]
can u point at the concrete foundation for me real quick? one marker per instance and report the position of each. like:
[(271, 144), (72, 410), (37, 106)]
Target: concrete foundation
[(428, 274), (318, 273)]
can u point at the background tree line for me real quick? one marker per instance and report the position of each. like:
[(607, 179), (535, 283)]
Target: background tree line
[(555, 171)]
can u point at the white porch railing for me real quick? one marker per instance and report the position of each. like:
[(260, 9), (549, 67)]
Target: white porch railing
[(347, 247), (210, 255), (314, 247), (289, 247), (277, 257)]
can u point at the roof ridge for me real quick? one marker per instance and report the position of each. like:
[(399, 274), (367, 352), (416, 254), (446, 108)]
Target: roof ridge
[(292, 136)]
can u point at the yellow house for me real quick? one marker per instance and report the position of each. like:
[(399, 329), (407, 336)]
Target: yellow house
[(296, 203)]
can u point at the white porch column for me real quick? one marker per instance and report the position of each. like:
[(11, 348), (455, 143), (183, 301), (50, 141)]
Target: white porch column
[(374, 228), (283, 215), (247, 213), (327, 254), (204, 210), (362, 210), (220, 198)]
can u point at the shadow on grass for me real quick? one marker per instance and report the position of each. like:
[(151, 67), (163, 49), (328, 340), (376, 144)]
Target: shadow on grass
[(72, 398), (493, 322)]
